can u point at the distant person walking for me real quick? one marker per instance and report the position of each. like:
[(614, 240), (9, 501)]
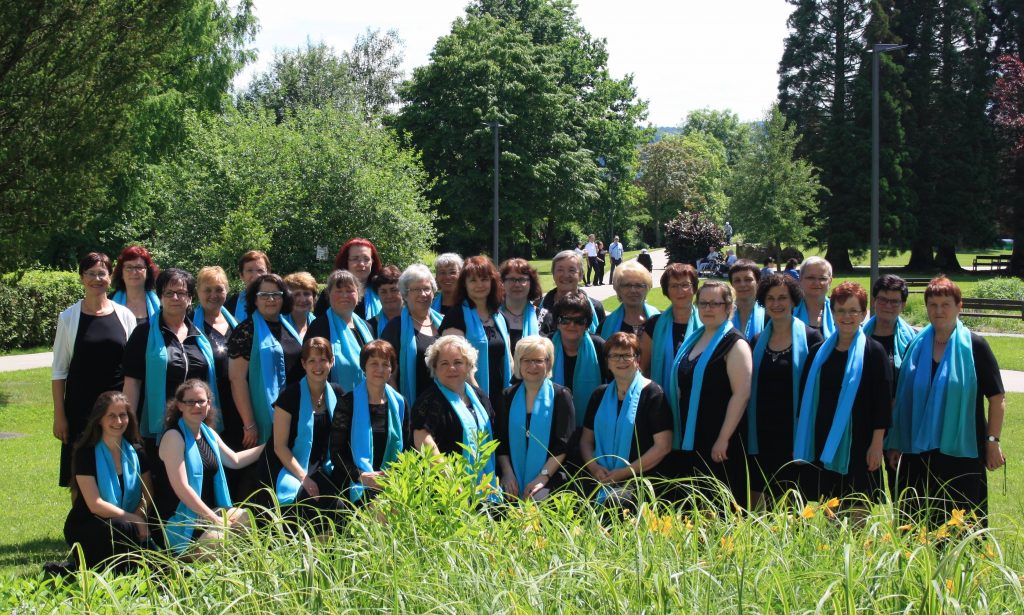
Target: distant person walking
[(615, 252), (645, 259), (728, 232), (600, 261), (590, 250)]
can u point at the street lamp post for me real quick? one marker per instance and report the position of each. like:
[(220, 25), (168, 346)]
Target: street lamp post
[(494, 125), (877, 50)]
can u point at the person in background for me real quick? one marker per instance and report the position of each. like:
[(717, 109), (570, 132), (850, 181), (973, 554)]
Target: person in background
[(730, 258), (615, 253), (590, 251), (252, 265), (413, 332), (303, 287), (386, 287), (522, 291), (704, 264), (748, 316), (566, 269), (644, 258), (728, 232), (792, 269), (134, 278), (447, 268), (600, 263), (87, 351), (768, 269), (815, 280)]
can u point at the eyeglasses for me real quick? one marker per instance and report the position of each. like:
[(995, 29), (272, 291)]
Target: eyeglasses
[(194, 402), (823, 280), (176, 294), (848, 313), (520, 281), (886, 301), (97, 275), (533, 362), (421, 290), (572, 320), (360, 260), (621, 358), (633, 286), (270, 295), (135, 268), (680, 286), (707, 305)]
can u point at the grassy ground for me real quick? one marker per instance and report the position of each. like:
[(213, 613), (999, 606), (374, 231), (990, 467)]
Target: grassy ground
[(32, 350)]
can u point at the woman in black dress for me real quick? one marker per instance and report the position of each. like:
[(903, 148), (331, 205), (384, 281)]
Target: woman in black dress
[(87, 351), (712, 385), (413, 332), (252, 265), (359, 257), (522, 291), (845, 405)]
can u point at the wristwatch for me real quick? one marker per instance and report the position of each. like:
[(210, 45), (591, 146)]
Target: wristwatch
[(544, 472), (992, 439)]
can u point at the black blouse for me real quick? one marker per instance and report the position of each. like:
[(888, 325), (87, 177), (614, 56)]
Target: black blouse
[(393, 335), (433, 413), (341, 436), (85, 465), (678, 330), (290, 401), (715, 393), (321, 327), (185, 360), (495, 351), (563, 420), (653, 416), (242, 338)]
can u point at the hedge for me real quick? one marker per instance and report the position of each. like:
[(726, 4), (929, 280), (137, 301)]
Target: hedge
[(29, 304)]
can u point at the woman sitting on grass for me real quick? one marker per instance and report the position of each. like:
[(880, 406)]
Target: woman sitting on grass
[(111, 478)]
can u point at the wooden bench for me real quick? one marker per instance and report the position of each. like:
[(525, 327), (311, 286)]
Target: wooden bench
[(917, 285), (991, 308), (993, 261)]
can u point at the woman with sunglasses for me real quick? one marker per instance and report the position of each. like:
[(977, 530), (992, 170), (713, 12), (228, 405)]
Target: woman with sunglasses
[(578, 355)]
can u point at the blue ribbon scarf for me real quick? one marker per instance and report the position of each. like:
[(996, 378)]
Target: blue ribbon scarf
[(528, 448), (407, 354), (614, 429), (835, 455), (799, 355), (755, 322), (361, 435), (199, 317), (382, 322), (346, 372), (828, 323), (937, 413), (904, 334), (476, 336), (126, 499), (663, 349), (241, 312), (288, 484), (438, 301), (151, 424), (310, 317), (585, 378), (613, 323), (152, 301), (371, 303), (179, 527), (267, 374), (473, 423), (682, 437)]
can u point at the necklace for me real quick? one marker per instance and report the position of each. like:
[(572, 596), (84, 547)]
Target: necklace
[(318, 403)]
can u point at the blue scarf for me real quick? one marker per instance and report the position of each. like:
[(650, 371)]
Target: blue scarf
[(937, 413), (346, 372), (472, 424), (531, 326), (382, 322), (361, 435), (241, 313), (310, 317), (151, 423), (179, 527), (903, 335), (267, 374), (407, 354), (593, 317), (663, 349), (799, 354), (755, 322), (683, 438), (613, 323), (836, 454), (152, 301), (585, 378), (528, 448), (613, 430), (371, 304), (828, 324), (106, 476), (476, 336), (436, 305), (199, 317), (287, 483)]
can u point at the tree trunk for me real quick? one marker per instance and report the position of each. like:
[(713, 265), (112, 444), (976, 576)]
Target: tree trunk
[(921, 257), (549, 236), (945, 259), (839, 258)]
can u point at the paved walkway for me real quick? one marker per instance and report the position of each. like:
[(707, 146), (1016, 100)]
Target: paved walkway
[(659, 258), (17, 362)]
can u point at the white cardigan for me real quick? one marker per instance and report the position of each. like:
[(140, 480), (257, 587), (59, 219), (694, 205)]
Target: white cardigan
[(67, 331)]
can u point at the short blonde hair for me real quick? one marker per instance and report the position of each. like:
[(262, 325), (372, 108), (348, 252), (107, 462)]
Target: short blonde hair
[(212, 275), (301, 280), (815, 261), (444, 342), (533, 344), (632, 267)]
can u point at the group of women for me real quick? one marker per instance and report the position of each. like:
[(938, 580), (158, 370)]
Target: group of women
[(170, 415)]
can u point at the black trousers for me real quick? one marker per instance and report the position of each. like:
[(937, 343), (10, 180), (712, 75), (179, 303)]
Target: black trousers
[(100, 538)]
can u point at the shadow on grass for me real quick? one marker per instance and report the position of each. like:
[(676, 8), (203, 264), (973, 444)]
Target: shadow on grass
[(27, 558)]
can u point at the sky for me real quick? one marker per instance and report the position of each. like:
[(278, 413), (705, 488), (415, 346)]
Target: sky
[(684, 54)]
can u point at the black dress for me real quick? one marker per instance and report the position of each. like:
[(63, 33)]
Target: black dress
[(345, 469), (563, 424), (496, 352), (94, 369), (653, 416), (678, 330), (290, 401), (433, 414), (393, 335), (100, 538), (872, 409)]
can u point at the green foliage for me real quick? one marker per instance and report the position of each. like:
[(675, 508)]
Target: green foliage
[(723, 125), (375, 62), (1000, 288), (314, 77), (774, 193), (689, 235), (29, 304), (241, 181)]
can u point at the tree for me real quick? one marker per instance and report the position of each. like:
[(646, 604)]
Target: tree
[(689, 235), (374, 63), (774, 192), (314, 77), (723, 125), (1008, 116)]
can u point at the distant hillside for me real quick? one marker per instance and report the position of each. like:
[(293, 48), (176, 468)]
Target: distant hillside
[(665, 131)]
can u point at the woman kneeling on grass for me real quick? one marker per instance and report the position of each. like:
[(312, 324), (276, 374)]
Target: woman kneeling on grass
[(195, 457), (111, 472)]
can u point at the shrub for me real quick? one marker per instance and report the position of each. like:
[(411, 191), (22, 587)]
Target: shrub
[(30, 303), (1000, 288), (689, 235)]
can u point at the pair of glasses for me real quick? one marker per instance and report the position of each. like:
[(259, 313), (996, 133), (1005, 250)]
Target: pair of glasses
[(621, 358), (176, 294), (135, 268), (360, 260), (885, 301), (422, 290), (708, 305), (270, 295), (193, 402), (96, 275), (534, 362), (519, 281), (572, 320), (680, 286), (633, 286)]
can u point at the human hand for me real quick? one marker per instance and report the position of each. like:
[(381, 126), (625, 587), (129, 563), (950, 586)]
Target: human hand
[(61, 430), (250, 436), (534, 486), (893, 456), (874, 458), (719, 451), (369, 479), (994, 457), (310, 486), (509, 485)]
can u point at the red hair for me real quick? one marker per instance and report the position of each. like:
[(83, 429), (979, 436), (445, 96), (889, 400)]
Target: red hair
[(341, 259), (522, 267), (849, 289), (482, 267), (942, 286), (132, 253)]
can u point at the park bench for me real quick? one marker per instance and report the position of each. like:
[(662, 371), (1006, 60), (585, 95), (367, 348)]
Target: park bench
[(991, 308), (993, 261), (917, 285)]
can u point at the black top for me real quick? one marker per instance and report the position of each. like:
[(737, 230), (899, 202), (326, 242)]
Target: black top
[(241, 341), (341, 436), (775, 397), (563, 420), (207, 493), (321, 327), (95, 366), (433, 413), (289, 401), (548, 326), (185, 360), (653, 415), (872, 406), (569, 363), (375, 322), (888, 343), (393, 335), (715, 393), (85, 465), (495, 352), (678, 330)]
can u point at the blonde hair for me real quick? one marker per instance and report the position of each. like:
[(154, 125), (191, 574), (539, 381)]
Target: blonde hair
[(212, 275), (460, 343), (533, 344), (632, 267), (301, 280)]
